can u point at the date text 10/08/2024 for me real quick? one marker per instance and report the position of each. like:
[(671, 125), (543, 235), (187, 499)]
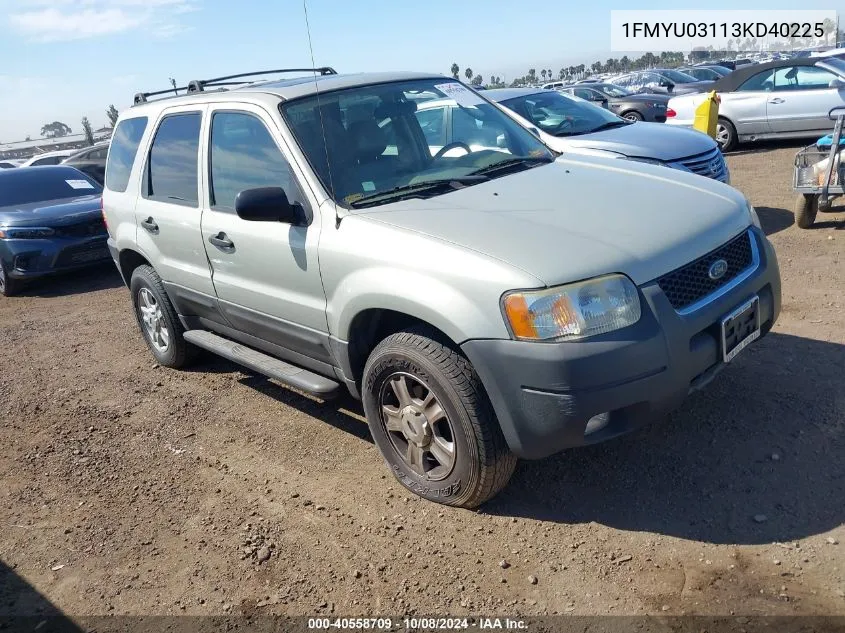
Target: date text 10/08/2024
[(418, 624), (657, 30)]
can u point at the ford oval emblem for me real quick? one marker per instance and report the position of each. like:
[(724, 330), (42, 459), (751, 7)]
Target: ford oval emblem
[(717, 269)]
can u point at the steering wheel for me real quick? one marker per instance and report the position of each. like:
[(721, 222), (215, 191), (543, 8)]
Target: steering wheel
[(453, 145)]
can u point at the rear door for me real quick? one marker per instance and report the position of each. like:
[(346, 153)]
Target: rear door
[(266, 274), (801, 100), (168, 210)]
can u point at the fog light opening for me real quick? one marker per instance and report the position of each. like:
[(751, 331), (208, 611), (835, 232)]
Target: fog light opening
[(597, 423)]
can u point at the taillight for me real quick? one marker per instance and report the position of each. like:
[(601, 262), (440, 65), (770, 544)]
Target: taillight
[(670, 113)]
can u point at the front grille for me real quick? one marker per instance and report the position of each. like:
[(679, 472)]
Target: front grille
[(82, 254), (692, 282), (89, 228), (710, 164)]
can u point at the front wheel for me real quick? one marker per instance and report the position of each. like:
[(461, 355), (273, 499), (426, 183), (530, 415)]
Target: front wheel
[(725, 135), (432, 420), (805, 209), (8, 286)]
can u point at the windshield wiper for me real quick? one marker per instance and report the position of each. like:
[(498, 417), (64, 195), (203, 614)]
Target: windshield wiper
[(419, 190), (517, 161), (607, 126)]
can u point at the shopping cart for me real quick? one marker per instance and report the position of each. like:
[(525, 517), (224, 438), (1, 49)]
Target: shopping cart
[(819, 176)]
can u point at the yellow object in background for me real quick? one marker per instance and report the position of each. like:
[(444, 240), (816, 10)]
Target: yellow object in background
[(707, 114)]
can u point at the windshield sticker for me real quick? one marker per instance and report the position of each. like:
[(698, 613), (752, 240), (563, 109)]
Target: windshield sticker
[(353, 197), (80, 184), (460, 93), (368, 186)]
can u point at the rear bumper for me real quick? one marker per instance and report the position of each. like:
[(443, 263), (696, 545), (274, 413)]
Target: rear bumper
[(549, 397), (30, 259)]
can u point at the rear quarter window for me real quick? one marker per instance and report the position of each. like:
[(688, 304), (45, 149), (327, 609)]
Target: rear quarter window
[(122, 151)]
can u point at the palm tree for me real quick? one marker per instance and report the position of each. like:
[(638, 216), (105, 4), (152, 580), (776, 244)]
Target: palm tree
[(543, 74), (561, 73), (468, 74), (455, 70), (532, 76)]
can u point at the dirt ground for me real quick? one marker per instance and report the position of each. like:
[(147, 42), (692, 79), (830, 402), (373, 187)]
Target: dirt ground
[(126, 488)]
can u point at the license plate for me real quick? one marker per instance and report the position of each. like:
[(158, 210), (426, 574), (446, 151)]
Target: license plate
[(740, 328)]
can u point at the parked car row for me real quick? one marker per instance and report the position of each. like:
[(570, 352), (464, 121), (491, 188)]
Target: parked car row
[(91, 160)]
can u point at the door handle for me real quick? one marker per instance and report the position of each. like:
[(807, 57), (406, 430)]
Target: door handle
[(222, 242), (776, 100), (150, 225)]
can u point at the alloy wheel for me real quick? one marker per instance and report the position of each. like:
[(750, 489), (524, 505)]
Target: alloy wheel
[(417, 425), (153, 320)]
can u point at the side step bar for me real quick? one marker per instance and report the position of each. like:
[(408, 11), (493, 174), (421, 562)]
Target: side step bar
[(264, 364)]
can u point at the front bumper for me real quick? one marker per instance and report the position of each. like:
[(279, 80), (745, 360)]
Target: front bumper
[(553, 396), (29, 259)]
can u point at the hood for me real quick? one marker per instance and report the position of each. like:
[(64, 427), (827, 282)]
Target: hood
[(579, 218), (642, 140), (51, 213)]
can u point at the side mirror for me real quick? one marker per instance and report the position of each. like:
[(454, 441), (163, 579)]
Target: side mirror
[(837, 83), (266, 204)]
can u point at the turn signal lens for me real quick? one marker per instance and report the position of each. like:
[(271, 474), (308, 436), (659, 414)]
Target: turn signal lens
[(574, 311)]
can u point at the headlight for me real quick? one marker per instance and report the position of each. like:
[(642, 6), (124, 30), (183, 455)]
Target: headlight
[(574, 311), (26, 233), (755, 219)]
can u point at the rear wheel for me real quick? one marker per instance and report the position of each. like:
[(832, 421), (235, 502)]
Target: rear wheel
[(157, 319), (8, 286), (633, 115), (725, 134), (805, 209), (432, 420)]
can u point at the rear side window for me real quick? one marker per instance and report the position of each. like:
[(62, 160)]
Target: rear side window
[(760, 81), (171, 174), (124, 146)]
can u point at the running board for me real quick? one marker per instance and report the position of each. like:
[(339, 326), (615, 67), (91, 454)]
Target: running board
[(262, 363)]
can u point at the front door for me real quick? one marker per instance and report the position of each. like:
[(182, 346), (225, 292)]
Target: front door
[(801, 100), (266, 274)]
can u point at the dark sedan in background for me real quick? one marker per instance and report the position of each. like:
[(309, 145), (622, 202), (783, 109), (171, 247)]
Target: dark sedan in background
[(706, 73), (50, 221), (628, 105), (91, 160), (661, 80)]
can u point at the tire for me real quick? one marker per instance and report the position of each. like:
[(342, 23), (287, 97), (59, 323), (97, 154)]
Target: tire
[(434, 373), (805, 208), (8, 287), (633, 115), (726, 131), (148, 294)]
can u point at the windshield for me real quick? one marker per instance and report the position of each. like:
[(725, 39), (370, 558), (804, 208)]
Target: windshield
[(614, 91), (26, 185), (561, 115), (677, 76), (397, 136)]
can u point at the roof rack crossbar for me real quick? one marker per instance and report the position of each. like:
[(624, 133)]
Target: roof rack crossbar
[(197, 85)]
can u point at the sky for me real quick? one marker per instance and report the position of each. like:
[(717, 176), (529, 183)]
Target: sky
[(65, 59)]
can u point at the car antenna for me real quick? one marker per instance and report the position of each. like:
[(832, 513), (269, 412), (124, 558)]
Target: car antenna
[(340, 212)]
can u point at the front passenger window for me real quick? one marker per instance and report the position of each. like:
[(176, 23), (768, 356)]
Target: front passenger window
[(245, 156)]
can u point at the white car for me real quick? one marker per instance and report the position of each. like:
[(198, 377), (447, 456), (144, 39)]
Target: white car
[(572, 125), (49, 158), (790, 98)]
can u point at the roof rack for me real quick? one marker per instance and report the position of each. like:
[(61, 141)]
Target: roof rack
[(198, 85)]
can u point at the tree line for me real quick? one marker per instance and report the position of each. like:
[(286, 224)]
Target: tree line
[(57, 129)]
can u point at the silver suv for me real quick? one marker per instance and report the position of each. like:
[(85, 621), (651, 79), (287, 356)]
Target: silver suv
[(485, 301)]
